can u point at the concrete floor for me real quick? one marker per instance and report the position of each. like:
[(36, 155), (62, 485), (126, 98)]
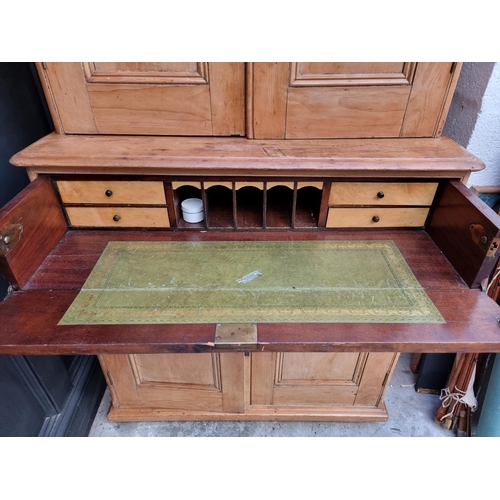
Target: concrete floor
[(410, 414)]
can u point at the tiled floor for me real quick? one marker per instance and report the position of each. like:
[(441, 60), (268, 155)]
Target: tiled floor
[(410, 414)]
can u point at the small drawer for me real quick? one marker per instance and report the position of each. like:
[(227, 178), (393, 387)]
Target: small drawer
[(112, 192), (376, 217), (382, 193), (117, 217)]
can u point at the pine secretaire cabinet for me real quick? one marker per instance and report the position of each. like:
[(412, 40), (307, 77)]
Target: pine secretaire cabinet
[(279, 100), (342, 156)]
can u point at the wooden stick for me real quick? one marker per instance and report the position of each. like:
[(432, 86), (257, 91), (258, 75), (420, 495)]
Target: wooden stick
[(469, 370), (462, 372), (462, 385), (468, 429), (415, 362), (462, 424)]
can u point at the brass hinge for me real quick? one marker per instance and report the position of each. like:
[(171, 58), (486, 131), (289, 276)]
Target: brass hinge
[(494, 245), (234, 335), (9, 237), (485, 241)]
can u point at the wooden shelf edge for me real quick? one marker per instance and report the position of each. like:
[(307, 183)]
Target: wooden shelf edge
[(194, 156)]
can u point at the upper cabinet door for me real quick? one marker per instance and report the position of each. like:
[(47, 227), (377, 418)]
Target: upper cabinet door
[(146, 98), (320, 100)]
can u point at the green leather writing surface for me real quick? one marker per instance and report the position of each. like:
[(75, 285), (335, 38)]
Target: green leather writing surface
[(252, 281)]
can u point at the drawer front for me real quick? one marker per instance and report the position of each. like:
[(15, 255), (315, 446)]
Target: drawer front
[(117, 217), (112, 192), (376, 217), (382, 193)]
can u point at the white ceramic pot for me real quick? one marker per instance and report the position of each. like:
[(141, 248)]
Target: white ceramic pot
[(192, 210)]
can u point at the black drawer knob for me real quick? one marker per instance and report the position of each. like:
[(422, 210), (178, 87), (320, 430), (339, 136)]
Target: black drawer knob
[(375, 218), (380, 194), (116, 218), (109, 192)]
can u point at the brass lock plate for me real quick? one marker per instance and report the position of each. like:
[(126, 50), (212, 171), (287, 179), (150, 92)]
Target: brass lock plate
[(235, 335)]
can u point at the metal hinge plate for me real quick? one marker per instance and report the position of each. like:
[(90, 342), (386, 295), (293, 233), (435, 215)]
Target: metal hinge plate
[(494, 245), (234, 335), (485, 241), (9, 237)]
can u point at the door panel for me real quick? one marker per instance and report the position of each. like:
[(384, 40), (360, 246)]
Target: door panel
[(345, 111), (146, 98), (151, 109), (430, 99), (200, 370), (348, 100), (289, 379), (354, 74), (205, 381), (146, 72), (349, 67), (315, 367)]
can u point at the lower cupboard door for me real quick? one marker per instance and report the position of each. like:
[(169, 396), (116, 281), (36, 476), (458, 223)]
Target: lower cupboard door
[(320, 379), (212, 382)]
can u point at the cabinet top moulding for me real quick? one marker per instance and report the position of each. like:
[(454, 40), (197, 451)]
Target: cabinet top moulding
[(196, 156)]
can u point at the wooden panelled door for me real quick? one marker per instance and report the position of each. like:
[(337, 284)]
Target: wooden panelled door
[(224, 383), (303, 100), (320, 379), (210, 382), (147, 98), (319, 100)]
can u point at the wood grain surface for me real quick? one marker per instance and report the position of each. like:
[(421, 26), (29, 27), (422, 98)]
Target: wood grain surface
[(112, 192), (459, 221), (194, 156), (382, 193), (345, 112), (360, 100), (377, 217), (146, 98), (117, 217), (431, 93), (36, 209)]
